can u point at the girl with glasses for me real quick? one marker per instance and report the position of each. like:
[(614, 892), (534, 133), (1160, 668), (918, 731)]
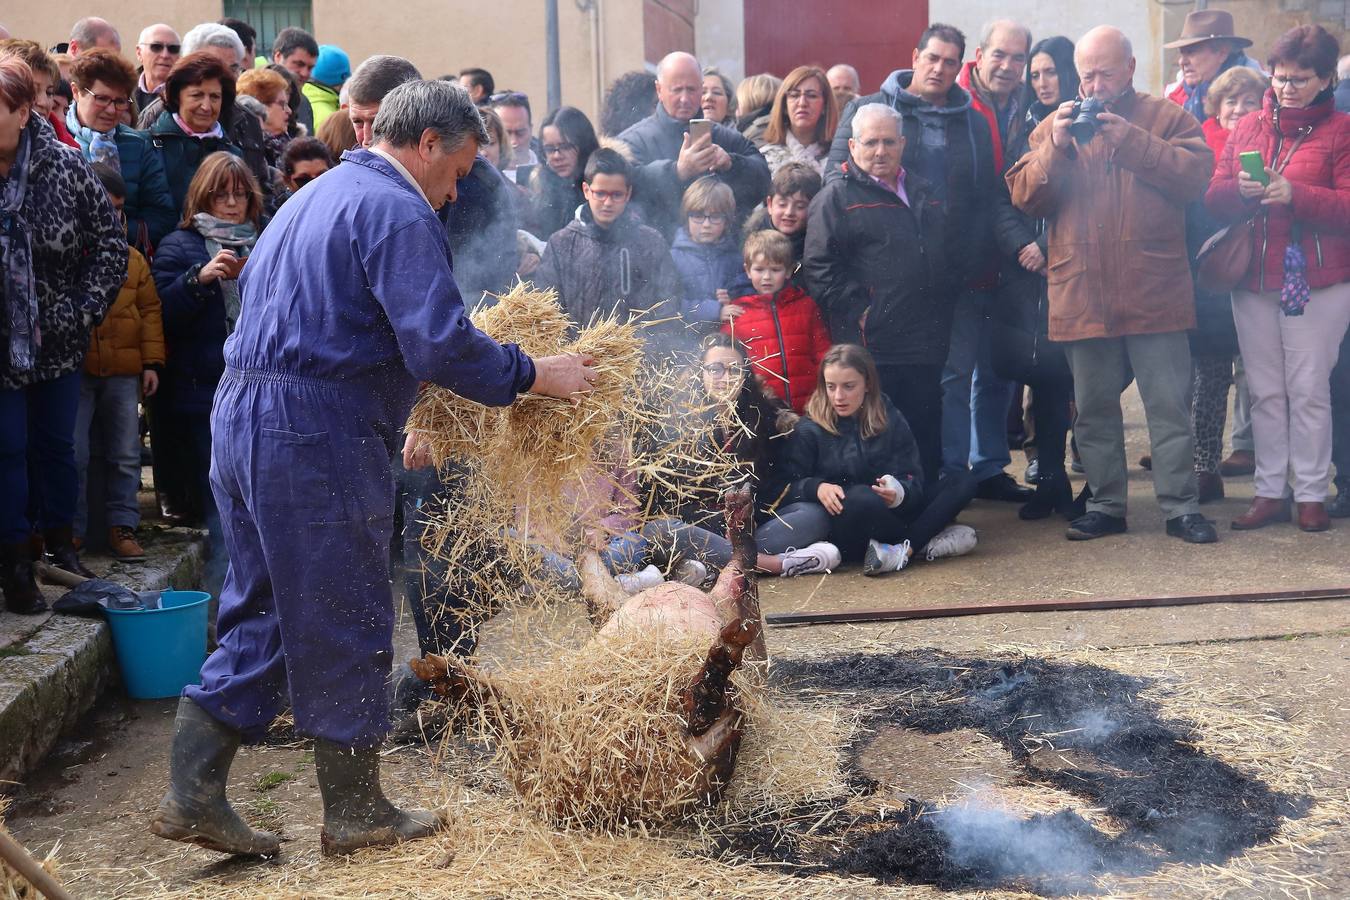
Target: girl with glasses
[(707, 253), (567, 141)]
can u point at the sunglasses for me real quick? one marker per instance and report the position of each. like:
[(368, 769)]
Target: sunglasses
[(160, 47), (302, 180)]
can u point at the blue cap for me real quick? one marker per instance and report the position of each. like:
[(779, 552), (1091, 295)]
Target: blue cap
[(333, 66)]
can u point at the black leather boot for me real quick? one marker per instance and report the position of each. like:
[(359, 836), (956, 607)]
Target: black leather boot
[(356, 813), (61, 551), (17, 584), (195, 810), (1054, 494)]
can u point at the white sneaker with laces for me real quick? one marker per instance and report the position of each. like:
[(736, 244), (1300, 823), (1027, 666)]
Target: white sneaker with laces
[(821, 556), (954, 540), (882, 558), (691, 572), (636, 582)]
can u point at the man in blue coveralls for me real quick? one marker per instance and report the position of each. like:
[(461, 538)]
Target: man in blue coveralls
[(348, 302)]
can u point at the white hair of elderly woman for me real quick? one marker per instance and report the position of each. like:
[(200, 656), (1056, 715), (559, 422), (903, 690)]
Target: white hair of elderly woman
[(869, 111), (413, 107), (209, 34)]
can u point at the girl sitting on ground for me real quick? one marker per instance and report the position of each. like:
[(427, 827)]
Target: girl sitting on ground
[(854, 458)]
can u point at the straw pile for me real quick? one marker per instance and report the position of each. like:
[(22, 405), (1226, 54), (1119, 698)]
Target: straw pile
[(510, 467), (13, 886)]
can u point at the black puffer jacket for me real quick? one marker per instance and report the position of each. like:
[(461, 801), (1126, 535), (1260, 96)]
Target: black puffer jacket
[(872, 259), (1020, 321), (951, 147), (658, 188), (481, 225), (625, 267), (815, 457), (552, 203)]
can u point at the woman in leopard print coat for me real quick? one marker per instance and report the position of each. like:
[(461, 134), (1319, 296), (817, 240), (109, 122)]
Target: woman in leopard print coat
[(63, 256)]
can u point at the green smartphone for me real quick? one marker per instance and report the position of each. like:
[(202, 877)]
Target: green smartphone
[(1254, 165)]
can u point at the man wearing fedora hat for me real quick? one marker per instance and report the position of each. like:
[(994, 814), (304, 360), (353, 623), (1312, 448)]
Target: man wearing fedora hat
[(1208, 48)]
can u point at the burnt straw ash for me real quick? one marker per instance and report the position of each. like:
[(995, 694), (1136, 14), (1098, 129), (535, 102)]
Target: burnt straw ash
[(1082, 728)]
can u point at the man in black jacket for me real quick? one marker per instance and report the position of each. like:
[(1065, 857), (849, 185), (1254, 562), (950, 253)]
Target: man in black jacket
[(876, 264), (669, 159)]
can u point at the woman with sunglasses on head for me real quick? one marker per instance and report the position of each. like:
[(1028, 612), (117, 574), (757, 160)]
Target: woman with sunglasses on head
[(1292, 307), (567, 141), (103, 83), (196, 271)]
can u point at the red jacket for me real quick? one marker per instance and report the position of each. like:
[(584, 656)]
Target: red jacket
[(1320, 175), (786, 338), (1215, 135), (62, 132)]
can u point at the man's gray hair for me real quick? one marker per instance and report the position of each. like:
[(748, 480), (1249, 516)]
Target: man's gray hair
[(411, 108), (877, 111), (210, 34), (377, 76), (987, 32), (88, 30)]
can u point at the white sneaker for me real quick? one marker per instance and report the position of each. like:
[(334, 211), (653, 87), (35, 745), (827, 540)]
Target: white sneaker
[(821, 556), (691, 572), (954, 540), (882, 558), (637, 582)]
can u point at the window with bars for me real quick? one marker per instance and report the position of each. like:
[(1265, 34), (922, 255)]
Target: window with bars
[(270, 16)]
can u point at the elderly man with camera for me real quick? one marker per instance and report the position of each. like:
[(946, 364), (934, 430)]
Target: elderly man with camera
[(1111, 175)]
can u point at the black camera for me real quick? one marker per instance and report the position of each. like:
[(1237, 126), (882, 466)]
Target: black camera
[(1085, 124)]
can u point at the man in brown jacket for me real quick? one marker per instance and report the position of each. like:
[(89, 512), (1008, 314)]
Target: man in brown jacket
[(1119, 280)]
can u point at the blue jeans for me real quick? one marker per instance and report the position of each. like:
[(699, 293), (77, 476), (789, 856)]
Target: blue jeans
[(37, 457), (974, 400), (107, 416)]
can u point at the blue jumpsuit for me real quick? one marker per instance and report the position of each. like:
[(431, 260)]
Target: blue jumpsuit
[(348, 302)]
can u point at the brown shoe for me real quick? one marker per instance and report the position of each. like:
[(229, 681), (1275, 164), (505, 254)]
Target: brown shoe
[(1238, 463), (123, 545), (1263, 511), (1313, 517), (1211, 486)]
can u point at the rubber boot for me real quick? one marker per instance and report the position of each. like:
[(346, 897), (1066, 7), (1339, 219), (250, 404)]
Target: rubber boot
[(356, 813), (17, 584), (61, 550), (195, 810)]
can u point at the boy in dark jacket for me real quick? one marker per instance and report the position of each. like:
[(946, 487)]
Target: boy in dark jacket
[(779, 324), (607, 261), (785, 210), (707, 254)]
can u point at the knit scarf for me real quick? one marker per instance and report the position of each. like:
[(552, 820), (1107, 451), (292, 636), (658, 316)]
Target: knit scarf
[(97, 146), (16, 264), (222, 235)]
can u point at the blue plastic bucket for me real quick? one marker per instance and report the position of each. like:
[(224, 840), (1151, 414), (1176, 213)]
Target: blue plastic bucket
[(160, 651)]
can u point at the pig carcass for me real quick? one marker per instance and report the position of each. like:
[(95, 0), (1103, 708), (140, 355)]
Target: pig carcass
[(727, 616)]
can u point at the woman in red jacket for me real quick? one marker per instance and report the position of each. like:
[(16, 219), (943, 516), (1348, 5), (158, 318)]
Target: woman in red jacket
[(780, 326), (1293, 306)]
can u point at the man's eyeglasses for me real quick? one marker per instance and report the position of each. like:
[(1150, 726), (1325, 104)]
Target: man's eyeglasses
[(160, 47), (721, 370), (1281, 81), (117, 103), (808, 96), (558, 149), (707, 218)]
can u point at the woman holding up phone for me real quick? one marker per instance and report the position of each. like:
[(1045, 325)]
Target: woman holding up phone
[(1293, 307)]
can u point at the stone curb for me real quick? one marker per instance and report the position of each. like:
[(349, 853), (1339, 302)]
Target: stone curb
[(52, 678)]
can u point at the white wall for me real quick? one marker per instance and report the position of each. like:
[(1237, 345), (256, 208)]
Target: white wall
[(719, 37), (1141, 20)]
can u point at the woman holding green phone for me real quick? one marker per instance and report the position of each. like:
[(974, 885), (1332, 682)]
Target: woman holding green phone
[(1293, 307)]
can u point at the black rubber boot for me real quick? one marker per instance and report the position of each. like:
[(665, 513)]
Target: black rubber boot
[(195, 810), (61, 551), (17, 584), (356, 813)]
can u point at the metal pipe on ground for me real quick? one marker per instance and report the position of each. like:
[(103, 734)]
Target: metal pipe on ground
[(846, 616)]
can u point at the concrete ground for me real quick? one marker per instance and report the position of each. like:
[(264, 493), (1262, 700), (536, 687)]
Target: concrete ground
[(95, 797)]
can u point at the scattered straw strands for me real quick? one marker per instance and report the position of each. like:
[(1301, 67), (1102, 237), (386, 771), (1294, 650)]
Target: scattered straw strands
[(13, 886)]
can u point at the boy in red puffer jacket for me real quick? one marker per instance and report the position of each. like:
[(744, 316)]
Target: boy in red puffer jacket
[(780, 326)]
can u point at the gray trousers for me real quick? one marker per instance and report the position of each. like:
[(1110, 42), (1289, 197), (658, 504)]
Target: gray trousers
[(1162, 367)]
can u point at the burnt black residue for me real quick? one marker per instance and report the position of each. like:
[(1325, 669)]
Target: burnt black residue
[(1082, 728)]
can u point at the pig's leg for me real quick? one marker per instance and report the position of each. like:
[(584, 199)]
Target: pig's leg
[(706, 699)]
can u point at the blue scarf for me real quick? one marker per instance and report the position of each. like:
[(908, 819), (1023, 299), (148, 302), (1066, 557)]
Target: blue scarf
[(17, 291), (97, 146)]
